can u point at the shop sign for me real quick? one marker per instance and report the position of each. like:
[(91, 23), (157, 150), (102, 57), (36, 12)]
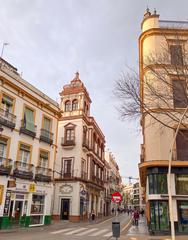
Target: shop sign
[(32, 188), (1, 193), (7, 202)]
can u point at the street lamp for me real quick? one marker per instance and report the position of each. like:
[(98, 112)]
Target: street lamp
[(169, 176)]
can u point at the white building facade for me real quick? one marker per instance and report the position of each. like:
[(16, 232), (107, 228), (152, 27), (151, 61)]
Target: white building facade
[(28, 122), (79, 168)]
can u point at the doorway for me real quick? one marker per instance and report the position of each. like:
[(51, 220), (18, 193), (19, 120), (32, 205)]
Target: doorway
[(16, 211), (65, 205)]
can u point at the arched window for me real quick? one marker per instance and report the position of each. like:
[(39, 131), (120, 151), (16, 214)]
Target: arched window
[(67, 106), (75, 104)]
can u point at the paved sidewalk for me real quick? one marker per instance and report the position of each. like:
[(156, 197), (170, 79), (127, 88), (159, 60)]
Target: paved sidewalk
[(140, 232), (56, 225)]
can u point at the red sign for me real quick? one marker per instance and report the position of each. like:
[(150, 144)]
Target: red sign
[(116, 197)]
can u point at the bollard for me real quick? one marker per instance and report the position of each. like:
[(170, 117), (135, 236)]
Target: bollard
[(116, 229)]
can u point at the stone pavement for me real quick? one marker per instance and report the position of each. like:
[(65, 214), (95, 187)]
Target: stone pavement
[(140, 232)]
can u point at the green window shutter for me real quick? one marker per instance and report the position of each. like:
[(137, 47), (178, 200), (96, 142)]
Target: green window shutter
[(29, 120)]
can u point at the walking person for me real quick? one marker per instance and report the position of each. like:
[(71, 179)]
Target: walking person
[(136, 217)]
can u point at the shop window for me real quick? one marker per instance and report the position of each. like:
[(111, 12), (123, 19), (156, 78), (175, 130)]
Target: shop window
[(37, 205), (36, 220), (179, 93), (183, 216), (182, 184), (157, 183), (159, 216)]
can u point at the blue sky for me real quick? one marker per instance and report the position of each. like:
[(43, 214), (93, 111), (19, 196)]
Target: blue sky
[(51, 39)]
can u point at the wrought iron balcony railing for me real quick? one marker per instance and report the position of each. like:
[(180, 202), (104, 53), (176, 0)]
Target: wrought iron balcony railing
[(23, 170), (28, 128), (43, 174), (46, 136), (7, 119), (5, 166)]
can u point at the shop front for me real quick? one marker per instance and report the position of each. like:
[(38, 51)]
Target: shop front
[(159, 217), (26, 205), (182, 216)]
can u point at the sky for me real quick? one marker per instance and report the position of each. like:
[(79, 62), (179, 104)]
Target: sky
[(52, 39)]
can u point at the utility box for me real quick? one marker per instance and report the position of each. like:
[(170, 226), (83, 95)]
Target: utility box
[(116, 229)]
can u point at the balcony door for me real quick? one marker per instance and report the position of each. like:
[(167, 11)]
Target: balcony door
[(3, 149), (67, 168)]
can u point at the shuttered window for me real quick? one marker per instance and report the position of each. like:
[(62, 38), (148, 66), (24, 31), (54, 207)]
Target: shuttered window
[(29, 119), (179, 93), (176, 54)]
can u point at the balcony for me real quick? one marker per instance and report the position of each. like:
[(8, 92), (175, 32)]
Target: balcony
[(46, 136), (67, 143), (67, 175), (97, 180), (5, 166), (28, 128), (43, 174), (7, 119), (23, 170)]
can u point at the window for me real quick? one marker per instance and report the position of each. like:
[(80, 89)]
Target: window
[(69, 135), (43, 161), (24, 155), (7, 104), (183, 216), (179, 93), (29, 119), (47, 124), (157, 183), (75, 105), (159, 216), (3, 149), (45, 131), (67, 166), (182, 184), (182, 145), (176, 54), (67, 106), (37, 205)]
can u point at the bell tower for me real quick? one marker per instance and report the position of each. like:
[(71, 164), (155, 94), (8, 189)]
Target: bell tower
[(75, 99)]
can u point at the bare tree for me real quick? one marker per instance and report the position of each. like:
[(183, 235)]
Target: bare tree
[(160, 92)]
